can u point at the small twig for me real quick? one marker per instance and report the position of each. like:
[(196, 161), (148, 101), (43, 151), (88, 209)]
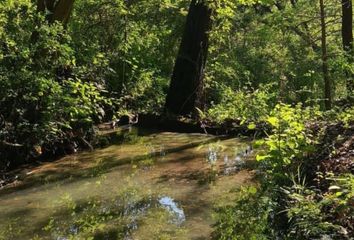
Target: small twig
[(12, 144), (87, 143)]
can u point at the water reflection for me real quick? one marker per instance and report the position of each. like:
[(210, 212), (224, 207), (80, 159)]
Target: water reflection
[(137, 190), (169, 204), (212, 155), (231, 162), (238, 161)]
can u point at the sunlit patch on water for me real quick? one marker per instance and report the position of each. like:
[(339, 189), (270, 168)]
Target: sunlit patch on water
[(133, 190), (232, 162), (178, 213), (236, 162)]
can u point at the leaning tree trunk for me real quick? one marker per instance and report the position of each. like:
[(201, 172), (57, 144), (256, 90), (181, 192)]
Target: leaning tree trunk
[(347, 37), (326, 78), (187, 79), (58, 10)]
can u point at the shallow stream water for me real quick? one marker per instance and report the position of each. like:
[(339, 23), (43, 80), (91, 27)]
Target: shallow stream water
[(153, 185)]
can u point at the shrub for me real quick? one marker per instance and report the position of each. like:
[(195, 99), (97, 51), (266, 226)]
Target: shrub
[(290, 140), (313, 214), (43, 101), (251, 106)]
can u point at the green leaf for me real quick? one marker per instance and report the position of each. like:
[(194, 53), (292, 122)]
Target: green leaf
[(252, 190), (338, 194), (261, 157), (273, 121), (252, 126), (259, 143)]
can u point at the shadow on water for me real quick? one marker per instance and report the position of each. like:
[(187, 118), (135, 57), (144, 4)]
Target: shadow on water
[(109, 219), (156, 186), (71, 172)]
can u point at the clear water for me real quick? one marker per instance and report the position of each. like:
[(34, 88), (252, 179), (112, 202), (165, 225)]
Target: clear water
[(152, 186)]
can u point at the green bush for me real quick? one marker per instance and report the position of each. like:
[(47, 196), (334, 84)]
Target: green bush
[(289, 204), (43, 99), (245, 106), (290, 140), (313, 214)]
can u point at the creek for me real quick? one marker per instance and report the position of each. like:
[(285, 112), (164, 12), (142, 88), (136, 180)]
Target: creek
[(152, 185)]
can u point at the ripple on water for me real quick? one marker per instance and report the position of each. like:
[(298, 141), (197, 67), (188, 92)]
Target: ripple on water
[(140, 187)]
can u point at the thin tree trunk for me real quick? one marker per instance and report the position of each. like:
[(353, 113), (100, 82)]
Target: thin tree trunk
[(187, 79), (326, 78), (347, 37)]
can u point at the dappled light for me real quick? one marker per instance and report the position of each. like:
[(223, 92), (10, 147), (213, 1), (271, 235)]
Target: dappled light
[(162, 173), (176, 120)]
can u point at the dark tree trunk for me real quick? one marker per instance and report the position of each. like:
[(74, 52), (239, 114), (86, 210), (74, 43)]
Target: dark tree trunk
[(326, 78), (347, 37), (59, 10), (187, 79)]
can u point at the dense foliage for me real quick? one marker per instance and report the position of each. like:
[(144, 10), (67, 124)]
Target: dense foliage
[(271, 64), (46, 99), (301, 196)]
